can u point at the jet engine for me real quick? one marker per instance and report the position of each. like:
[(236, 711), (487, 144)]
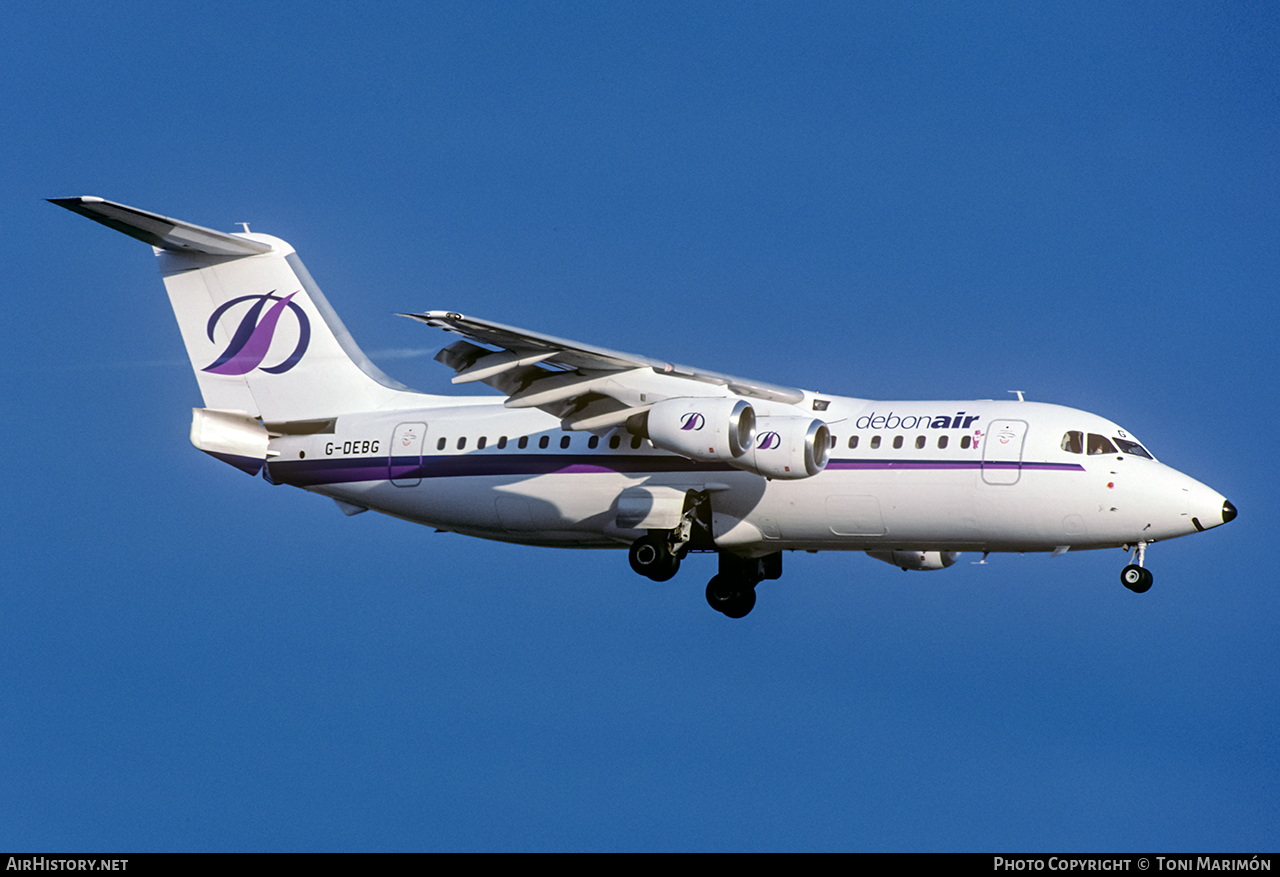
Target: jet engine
[(923, 560), (702, 428), (787, 447)]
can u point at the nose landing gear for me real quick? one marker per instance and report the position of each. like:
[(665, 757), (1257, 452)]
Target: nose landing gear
[(1134, 576)]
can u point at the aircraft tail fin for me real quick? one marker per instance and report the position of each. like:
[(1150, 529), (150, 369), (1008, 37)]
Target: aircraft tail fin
[(262, 338)]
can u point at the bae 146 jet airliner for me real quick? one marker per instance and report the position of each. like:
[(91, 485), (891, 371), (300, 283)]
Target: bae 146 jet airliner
[(592, 448)]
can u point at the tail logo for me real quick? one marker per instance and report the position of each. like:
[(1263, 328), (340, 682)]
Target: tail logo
[(252, 339)]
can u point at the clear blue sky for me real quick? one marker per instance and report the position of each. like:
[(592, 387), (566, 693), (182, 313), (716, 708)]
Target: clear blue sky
[(885, 200)]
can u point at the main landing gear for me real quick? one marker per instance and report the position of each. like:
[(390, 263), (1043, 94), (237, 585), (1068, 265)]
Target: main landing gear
[(655, 557), (1134, 576), (731, 597), (732, 591)]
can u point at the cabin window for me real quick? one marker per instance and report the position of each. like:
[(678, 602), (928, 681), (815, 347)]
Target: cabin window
[(635, 443), (440, 445), (544, 441), (965, 441), (593, 442), (462, 442), (614, 441), (1073, 442), (502, 442), (853, 442), (875, 442), (481, 442), (942, 442), (523, 443), (897, 442), (833, 442), (1133, 449), (919, 442), (564, 441), (1098, 444)]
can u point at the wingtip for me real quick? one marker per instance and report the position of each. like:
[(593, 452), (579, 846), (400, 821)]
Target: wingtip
[(79, 199), (432, 318)]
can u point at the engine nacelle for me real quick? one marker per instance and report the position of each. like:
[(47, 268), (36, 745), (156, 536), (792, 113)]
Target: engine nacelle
[(702, 428), (922, 560), (787, 447)]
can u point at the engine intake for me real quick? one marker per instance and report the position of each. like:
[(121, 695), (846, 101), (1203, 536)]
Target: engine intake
[(788, 447)]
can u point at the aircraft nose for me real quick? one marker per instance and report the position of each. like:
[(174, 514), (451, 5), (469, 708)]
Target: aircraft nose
[(1207, 507)]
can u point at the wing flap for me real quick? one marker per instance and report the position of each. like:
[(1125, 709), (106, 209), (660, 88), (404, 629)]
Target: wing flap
[(568, 385), (463, 355), (494, 364), (603, 414)]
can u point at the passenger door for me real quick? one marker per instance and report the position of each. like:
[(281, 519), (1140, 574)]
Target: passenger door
[(404, 461), (1002, 451)]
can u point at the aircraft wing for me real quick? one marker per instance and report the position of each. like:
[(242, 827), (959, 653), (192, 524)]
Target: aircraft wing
[(587, 387)]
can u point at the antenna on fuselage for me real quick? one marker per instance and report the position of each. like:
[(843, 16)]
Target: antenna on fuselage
[(245, 225), (1019, 392)]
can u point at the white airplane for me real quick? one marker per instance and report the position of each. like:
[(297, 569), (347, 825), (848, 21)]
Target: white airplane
[(592, 448)]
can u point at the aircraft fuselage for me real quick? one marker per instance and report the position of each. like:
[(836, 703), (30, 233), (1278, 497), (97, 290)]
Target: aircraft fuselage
[(928, 475)]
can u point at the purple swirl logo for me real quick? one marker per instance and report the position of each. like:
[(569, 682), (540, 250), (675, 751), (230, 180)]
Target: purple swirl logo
[(768, 441), (252, 339), (692, 420)]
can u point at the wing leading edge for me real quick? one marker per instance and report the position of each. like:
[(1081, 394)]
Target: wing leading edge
[(587, 387)]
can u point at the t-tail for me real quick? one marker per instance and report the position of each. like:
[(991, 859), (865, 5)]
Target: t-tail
[(266, 347)]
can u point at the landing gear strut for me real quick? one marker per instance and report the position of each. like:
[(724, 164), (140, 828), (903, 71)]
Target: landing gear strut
[(1134, 576)]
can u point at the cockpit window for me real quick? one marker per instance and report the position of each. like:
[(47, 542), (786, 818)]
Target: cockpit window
[(1073, 442), (1099, 445), (1137, 450)]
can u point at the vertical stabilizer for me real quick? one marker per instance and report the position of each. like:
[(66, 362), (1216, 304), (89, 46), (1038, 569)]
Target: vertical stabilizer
[(261, 336)]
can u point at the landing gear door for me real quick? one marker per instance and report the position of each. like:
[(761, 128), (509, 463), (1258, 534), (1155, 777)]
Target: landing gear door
[(404, 462), (1002, 451), (650, 508)]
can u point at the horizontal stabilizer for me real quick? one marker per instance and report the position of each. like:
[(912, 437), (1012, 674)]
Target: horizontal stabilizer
[(161, 231)]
